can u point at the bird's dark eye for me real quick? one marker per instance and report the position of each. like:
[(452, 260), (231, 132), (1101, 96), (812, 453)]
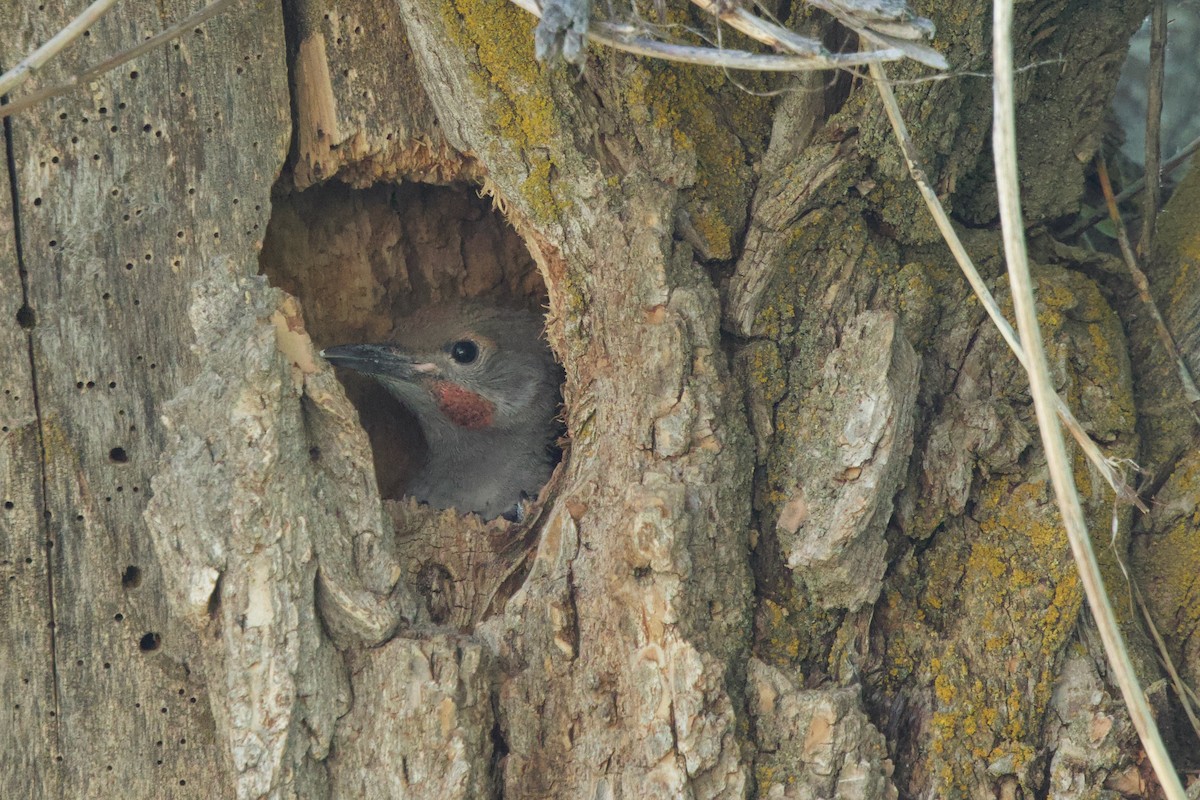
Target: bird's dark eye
[(464, 352)]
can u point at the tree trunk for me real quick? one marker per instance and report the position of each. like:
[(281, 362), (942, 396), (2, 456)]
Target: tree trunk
[(801, 543)]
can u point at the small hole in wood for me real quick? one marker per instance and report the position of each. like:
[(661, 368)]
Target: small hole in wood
[(26, 317), (131, 578), (118, 455), (149, 642)]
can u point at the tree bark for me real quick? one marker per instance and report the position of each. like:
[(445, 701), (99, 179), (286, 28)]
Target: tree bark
[(801, 543)]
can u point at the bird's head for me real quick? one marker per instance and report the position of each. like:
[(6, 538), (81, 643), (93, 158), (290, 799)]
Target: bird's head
[(465, 368)]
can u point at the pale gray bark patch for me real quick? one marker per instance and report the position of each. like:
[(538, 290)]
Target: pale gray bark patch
[(422, 725), (784, 204), (855, 438), (235, 520), (814, 743), (1089, 733)]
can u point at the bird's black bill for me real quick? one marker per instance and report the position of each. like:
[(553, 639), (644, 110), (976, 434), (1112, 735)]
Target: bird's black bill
[(371, 359)]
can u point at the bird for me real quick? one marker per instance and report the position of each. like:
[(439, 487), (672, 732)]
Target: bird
[(485, 389)]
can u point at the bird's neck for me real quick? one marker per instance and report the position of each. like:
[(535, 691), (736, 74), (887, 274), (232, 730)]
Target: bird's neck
[(480, 470), (483, 450)]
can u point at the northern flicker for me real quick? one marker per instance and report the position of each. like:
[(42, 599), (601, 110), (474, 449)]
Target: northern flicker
[(484, 387)]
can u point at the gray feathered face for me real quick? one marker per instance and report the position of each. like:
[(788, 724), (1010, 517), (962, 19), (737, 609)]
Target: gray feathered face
[(465, 368)]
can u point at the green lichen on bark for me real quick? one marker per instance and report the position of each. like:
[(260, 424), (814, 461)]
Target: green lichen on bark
[(985, 630), (520, 99), (710, 129)]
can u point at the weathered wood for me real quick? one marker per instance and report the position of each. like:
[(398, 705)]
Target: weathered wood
[(127, 193), (28, 691), (361, 112)]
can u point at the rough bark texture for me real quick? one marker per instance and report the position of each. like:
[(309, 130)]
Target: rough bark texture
[(124, 196), (801, 544)]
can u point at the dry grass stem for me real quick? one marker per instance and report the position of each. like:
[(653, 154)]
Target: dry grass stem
[(1107, 469), (125, 56), (1154, 102), (1143, 289), (803, 53), (53, 46), (1182, 690), (1173, 163), (1004, 152)]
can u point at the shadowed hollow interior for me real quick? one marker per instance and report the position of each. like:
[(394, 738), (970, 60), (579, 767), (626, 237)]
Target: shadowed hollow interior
[(359, 259)]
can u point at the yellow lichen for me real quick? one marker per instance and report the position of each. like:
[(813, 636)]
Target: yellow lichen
[(517, 86)]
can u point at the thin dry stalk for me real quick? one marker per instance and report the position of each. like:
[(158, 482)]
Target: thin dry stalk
[(1107, 469), (1182, 690), (770, 34), (1004, 151), (1173, 163), (1154, 102), (125, 56), (1143, 288), (805, 54), (39, 58), (780, 38)]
